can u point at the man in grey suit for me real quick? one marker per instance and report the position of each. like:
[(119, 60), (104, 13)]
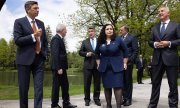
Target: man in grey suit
[(87, 51), (30, 38), (165, 38)]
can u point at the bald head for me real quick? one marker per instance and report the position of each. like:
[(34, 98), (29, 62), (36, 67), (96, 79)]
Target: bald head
[(163, 13)]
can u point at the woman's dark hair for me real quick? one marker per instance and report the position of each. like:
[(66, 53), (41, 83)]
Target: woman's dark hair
[(28, 5), (102, 35)]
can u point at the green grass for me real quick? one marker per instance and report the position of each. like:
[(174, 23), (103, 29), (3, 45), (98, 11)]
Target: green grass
[(12, 92)]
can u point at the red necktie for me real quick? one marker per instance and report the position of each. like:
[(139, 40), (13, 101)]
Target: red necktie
[(38, 49)]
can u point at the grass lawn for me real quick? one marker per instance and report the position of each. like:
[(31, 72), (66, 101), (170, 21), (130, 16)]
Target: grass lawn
[(12, 92)]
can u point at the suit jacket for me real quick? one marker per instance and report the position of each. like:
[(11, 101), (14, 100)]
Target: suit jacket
[(112, 55), (58, 53), (25, 45), (168, 55), (89, 62), (140, 64), (132, 45)]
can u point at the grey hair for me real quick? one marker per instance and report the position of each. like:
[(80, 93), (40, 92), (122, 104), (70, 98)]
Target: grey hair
[(167, 8), (60, 27)]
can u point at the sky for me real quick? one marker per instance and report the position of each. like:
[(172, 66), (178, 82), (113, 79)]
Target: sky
[(51, 13)]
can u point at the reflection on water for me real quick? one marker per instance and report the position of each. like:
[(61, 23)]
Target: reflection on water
[(11, 78)]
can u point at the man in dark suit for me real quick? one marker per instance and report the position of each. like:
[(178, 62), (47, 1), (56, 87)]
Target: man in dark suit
[(59, 65), (2, 3), (132, 45), (30, 38), (140, 65), (165, 38), (87, 51)]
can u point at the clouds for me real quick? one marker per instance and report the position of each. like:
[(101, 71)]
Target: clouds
[(51, 13)]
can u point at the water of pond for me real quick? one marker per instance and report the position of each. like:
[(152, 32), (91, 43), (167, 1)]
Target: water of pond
[(11, 78)]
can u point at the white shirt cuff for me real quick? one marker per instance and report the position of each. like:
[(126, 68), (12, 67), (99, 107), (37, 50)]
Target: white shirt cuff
[(33, 37), (169, 44), (87, 54), (155, 44)]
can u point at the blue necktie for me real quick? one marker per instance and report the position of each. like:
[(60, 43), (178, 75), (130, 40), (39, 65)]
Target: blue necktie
[(162, 30), (92, 43)]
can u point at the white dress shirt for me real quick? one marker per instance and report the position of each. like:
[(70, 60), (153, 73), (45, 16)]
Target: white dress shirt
[(166, 24), (33, 37), (93, 40)]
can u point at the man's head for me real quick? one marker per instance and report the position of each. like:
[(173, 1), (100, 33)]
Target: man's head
[(61, 29), (91, 31), (123, 30), (163, 13), (32, 9)]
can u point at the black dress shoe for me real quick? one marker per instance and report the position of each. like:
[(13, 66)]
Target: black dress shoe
[(68, 105), (97, 102), (87, 103), (127, 103), (56, 106)]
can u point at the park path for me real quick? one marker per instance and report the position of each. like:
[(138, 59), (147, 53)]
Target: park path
[(141, 95)]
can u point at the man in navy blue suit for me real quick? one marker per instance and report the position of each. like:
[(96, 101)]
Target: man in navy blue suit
[(30, 38), (140, 66), (165, 39), (59, 65), (132, 45)]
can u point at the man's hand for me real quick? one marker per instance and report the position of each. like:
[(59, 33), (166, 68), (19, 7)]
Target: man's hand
[(158, 45), (165, 43), (60, 72), (125, 66), (89, 54), (38, 33)]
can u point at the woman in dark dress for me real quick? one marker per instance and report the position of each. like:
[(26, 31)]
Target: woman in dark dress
[(111, 61)]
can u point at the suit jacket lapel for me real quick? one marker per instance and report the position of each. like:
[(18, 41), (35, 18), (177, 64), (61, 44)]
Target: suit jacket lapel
[(158, 31), (26, 21), (126, 38), (38, 24), (89, 44)]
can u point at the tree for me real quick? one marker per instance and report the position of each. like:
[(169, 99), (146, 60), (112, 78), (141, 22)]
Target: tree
[(12, 53), (49, 36), (3, 52), (139, 15)]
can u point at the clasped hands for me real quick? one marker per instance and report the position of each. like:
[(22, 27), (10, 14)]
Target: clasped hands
[(89, 54), (162, 44), (38, 33)]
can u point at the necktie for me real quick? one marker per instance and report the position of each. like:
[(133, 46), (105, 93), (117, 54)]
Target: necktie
[(38, 49), (92, 43), (162, 30)]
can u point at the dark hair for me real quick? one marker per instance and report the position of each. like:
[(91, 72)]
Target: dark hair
[(28, 5), (91, 27), (125, 27), (102, 35)]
